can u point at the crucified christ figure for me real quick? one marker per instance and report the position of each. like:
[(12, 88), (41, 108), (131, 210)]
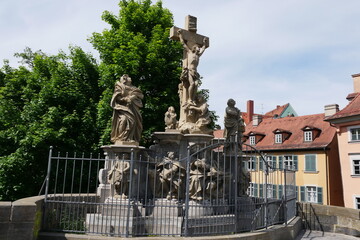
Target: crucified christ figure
[(190, 64)]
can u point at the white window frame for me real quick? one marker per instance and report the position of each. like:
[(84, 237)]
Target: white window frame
[(251, 164), (353, 158), (288, 162), (252, 140), (251, 189), (350, 135), (278, 138), (310, 171), (357, 201), (308, 136), (307, 197), (269, 160)]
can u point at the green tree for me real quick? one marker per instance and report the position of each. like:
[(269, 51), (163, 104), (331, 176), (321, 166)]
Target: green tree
[(50, 101), (138, 44)]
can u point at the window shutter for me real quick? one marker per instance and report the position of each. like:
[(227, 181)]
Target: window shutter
[(261, 164), (280, 191), (274, 190), (310, 163), (255, 163), (320, 195), (274, 162), (261, 190), (255, 189), (280, 162), (295, 157), (302, 193)]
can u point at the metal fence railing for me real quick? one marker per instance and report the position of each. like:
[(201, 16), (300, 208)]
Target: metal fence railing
[(220, 188)]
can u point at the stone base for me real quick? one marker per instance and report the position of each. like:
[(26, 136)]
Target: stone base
[(198, 210), (167, 208), (166, 217), (210, 225), (114, 225), (112, 218)]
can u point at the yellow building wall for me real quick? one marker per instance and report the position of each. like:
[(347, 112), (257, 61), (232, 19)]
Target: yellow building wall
[(302, 178)]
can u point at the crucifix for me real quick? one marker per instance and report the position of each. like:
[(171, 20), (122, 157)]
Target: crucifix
[(194, 45)]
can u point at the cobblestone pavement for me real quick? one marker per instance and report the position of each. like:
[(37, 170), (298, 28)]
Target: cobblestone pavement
[(317, 235)]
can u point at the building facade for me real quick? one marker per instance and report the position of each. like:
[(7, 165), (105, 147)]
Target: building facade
[(347, 123)]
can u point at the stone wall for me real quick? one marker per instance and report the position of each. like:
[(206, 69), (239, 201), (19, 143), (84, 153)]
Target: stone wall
[(330, 218), (21, 220)]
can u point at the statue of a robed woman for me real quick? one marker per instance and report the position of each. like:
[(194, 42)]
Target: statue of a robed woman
[(127, 120)]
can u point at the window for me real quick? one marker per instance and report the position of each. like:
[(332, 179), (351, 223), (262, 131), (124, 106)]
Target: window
[(252, 190), (252, 164), (356, 167), (308, 136), (252, 140), (311, 194), (354, 133), (355, 164), (278, 138), (310, 163), (288, 162), (357, 202)]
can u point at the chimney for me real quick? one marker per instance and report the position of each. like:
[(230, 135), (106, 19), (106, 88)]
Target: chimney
[(256, 120), (331, 109), (250, 110), (356, 79)]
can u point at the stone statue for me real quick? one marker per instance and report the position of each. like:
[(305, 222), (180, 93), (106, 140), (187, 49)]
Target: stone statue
[(233, 121), (200, 115), (198, 173), (171, 175), (190, 76), (170, 118), (119, 176), (192, 112), (127, 120)]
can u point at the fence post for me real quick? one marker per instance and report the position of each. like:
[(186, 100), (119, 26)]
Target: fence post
[(236, 180), (266, 189), (130, 192), (48, 173), (187, 196)]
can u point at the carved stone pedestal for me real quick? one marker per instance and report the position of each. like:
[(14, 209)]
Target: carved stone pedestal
[(113, 153), (117, 216), (173, 141), (166, 217), (199, 210)]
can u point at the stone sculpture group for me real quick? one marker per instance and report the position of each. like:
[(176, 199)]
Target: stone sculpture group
[(168, 175)]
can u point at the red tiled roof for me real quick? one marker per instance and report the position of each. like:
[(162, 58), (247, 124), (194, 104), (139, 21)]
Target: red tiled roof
[(277, 111), (352, 109), (293, 125)]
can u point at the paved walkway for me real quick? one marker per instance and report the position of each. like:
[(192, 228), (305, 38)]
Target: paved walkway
[(316, 235)]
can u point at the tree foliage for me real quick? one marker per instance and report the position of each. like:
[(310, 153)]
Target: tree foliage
[(138, 44), (51, 101)]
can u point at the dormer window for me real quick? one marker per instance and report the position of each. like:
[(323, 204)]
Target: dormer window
[(252, 140), (308, 137), (281, 135), (278, 138), (310, 133), (255, 137)]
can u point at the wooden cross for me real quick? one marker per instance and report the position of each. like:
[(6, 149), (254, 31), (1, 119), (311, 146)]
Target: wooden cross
[(189, 33)]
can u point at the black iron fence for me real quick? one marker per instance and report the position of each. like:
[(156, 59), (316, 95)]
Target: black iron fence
[(220, 188)]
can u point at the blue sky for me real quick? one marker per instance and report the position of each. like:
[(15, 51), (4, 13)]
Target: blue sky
[(273, 52)]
